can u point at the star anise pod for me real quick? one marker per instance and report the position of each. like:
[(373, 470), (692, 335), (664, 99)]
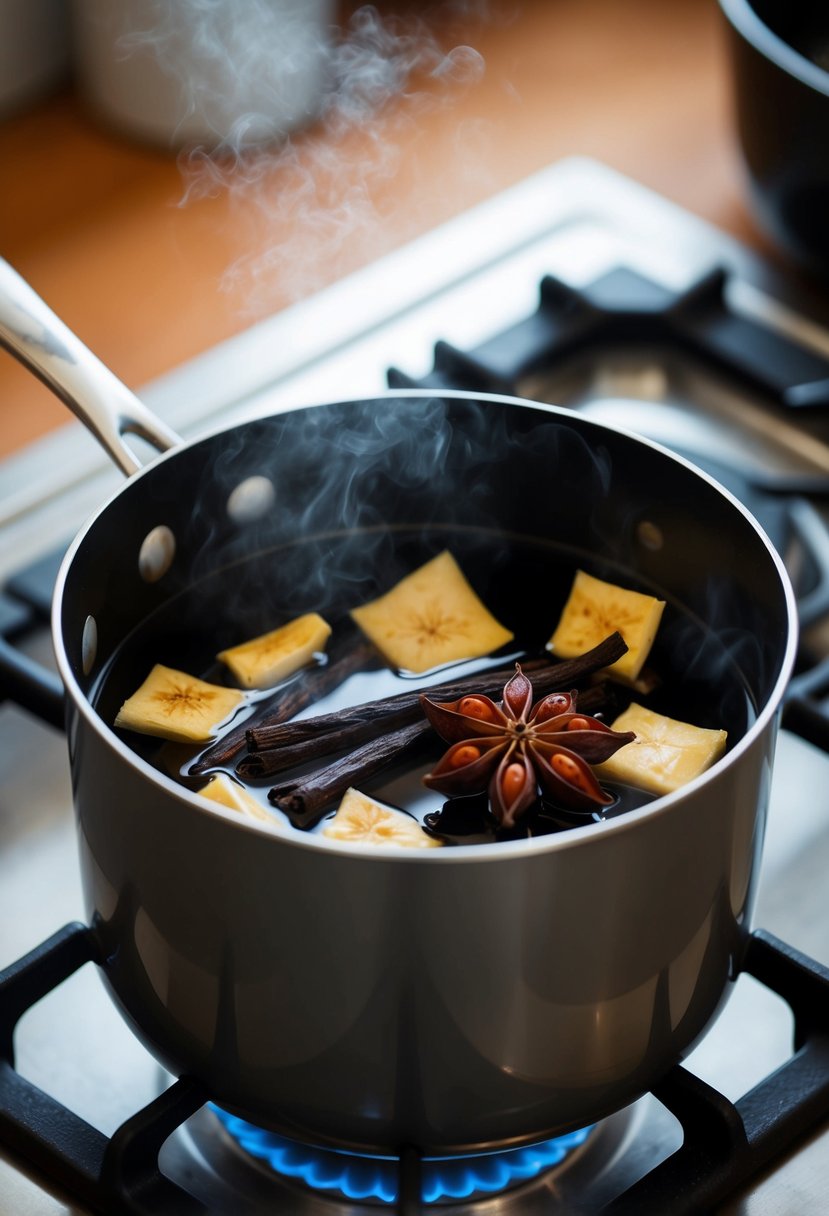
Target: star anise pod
[(513, 748)]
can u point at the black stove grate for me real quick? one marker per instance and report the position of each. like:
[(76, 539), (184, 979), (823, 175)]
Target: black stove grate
[(724, 1143), (624, 306), (110, 1175)]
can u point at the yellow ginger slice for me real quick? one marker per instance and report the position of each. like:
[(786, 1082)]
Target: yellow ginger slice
[(228, 793), (176, 706), (364, 821), (264, 661), (596, 609), (430, 618), (665, 753)]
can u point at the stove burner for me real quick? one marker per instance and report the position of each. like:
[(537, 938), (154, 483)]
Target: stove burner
[(362, 1178), (624, 306)]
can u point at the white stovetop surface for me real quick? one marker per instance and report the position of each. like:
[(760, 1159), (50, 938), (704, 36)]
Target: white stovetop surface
[(461, 283)]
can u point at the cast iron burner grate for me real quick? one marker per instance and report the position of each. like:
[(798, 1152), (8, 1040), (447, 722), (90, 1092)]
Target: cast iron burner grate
[(724, 1143), (624, 306)]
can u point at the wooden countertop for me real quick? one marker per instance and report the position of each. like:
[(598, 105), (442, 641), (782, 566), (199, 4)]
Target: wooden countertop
[(100, 227)]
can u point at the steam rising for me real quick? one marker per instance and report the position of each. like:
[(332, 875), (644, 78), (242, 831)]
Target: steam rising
[(268, 69), (358, 480)]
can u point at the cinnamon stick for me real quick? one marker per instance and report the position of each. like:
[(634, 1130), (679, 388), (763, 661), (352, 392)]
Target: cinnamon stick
[(366, 719), (363, 728), (328, 737), (351, 656), (305, 801), (391, 712)]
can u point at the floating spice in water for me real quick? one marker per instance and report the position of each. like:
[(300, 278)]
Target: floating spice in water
[(594, 609), (430, 618), (668, 753), (264, 661), (306, 799), (362, 820), (511, 749), (174, 705)]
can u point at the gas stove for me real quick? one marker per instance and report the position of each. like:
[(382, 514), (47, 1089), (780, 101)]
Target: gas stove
[(577, 287)]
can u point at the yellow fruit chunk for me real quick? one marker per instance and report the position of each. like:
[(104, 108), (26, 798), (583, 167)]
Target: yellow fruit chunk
[(176, 706), (431, 617), (361, 819), (227, 793), (665, 753), (596, 609), (264, 661)]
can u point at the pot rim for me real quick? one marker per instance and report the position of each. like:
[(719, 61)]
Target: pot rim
[(502, 850), (743, 17)]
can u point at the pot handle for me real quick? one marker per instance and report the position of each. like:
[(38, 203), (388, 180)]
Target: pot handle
[(40, 341)]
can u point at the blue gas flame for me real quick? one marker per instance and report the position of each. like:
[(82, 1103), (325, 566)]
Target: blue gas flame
[(361, 1177)]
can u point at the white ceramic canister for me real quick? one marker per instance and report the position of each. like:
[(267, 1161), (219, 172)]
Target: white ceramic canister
[(217, 73)]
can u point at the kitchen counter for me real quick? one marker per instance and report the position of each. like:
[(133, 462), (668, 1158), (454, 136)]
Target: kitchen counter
[(103, 228)]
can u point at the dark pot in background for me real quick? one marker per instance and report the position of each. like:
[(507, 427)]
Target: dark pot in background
[(780, 57)]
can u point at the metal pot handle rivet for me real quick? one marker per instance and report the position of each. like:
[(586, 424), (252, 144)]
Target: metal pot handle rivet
[(155, 557), (251, 499)]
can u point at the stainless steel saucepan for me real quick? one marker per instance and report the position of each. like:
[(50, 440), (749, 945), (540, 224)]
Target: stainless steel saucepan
[(370, 996)]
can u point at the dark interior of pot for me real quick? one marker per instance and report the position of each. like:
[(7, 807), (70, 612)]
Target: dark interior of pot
[(803, 26), (339, 502)]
